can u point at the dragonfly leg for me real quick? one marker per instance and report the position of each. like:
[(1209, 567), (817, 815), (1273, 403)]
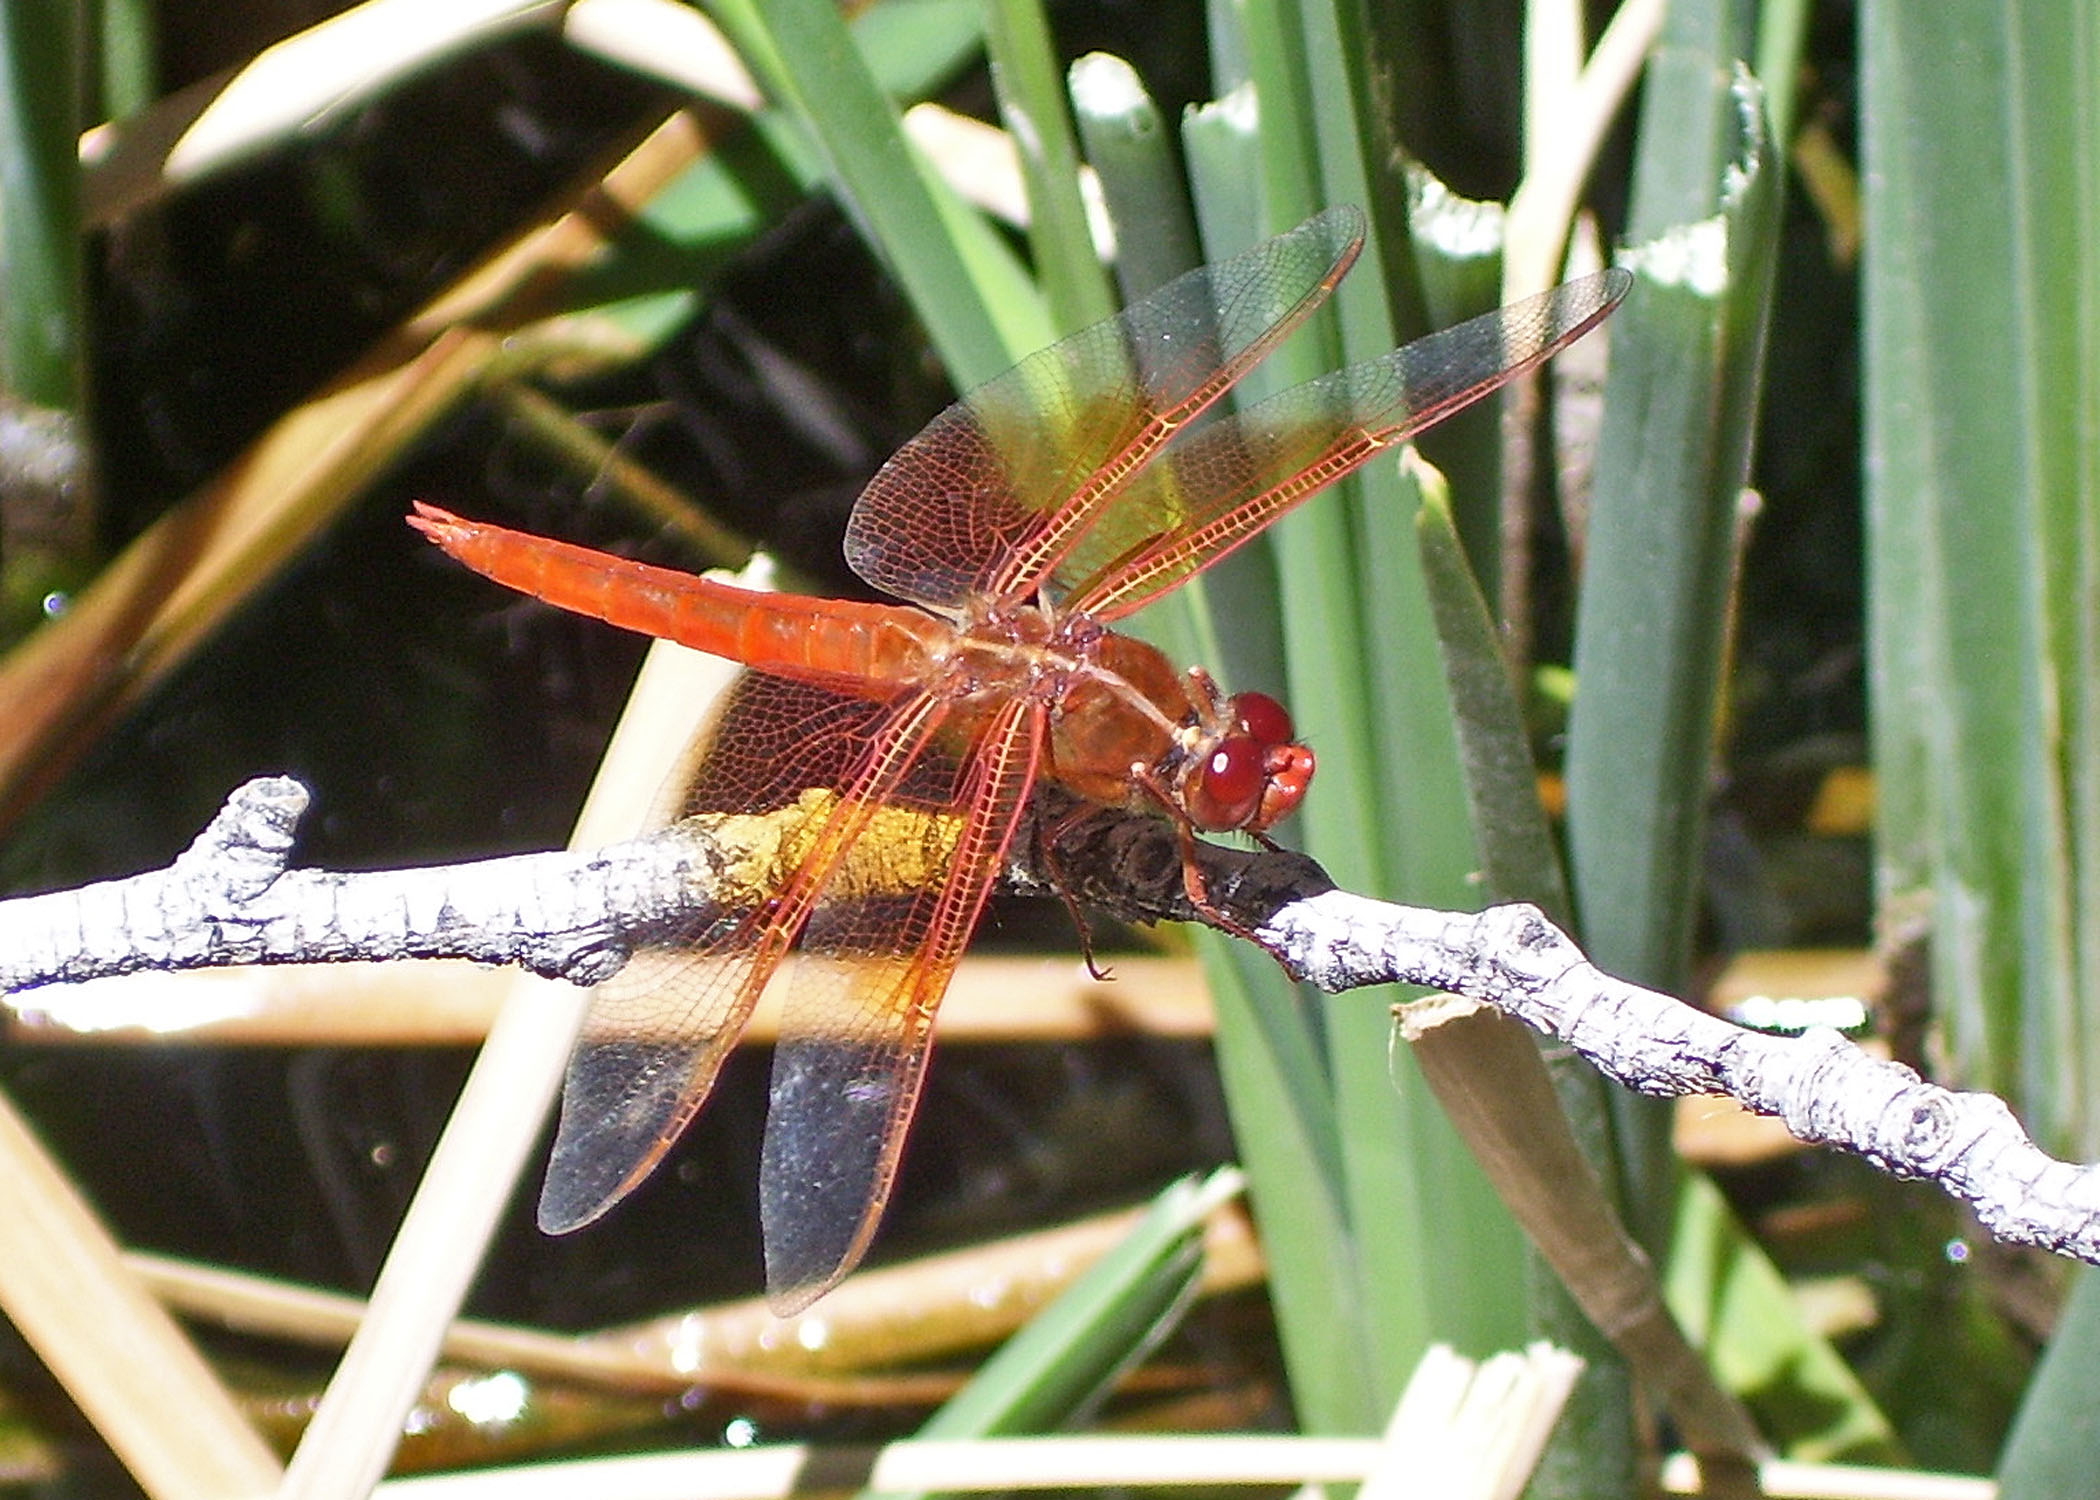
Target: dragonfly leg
[(1046, 850), (1193, 882)]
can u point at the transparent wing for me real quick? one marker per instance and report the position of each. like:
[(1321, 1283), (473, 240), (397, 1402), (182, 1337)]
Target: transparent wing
[(997, 489), (813, 769), (859, 1022), (1222, 483)]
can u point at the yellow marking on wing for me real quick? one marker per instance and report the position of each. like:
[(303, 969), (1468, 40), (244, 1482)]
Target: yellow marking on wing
[(901, 852)]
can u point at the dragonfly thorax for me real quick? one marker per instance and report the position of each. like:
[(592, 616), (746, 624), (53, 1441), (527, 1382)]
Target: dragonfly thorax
[(1127, 729)]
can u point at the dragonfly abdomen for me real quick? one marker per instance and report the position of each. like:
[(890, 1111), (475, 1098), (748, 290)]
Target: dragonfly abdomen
[(868, 650)]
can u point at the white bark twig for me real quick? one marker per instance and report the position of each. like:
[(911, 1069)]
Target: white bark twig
[(230, 899), (1822, 1087)]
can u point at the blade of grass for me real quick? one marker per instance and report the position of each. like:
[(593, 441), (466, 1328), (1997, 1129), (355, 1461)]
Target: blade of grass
[(1672, 458), (2056, 206), (286, 88), (919, 49), (1218, 141), (646, 284), (2054, 1447), (40, 318), (1781, 29), (1141, 184), (1271, 1054), (1736, 1307), (1948, 822), (47, 479), (1282, 1107), (1030, 85), (1457, 256), (148, 1391), (1268, 1048), (1148, 210), (1981, 477), (1518, 860), (1272, 183), (1592, 1451), (1979, 292), (129, 72), (1072, 1353), (1360, 653), (1671, 463), (949, 265)]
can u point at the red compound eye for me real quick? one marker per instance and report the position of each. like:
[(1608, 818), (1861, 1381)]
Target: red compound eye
[(1266, 721), (1228, 790)]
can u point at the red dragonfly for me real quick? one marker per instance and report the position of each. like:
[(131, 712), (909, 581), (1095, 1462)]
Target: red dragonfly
[(1019, 525)]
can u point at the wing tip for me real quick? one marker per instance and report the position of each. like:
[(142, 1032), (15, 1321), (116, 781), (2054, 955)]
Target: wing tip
[(575, 1194), (564, 1209), (792, 1301), (793, 1284)]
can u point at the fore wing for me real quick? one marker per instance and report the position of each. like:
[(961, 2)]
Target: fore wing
[(997, 489), (811, 770), (1221, 484)]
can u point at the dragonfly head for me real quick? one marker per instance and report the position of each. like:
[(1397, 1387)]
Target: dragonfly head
[(1254, 772)]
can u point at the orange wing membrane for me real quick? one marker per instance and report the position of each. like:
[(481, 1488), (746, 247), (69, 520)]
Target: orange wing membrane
[(989, 497), (888, 751)]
